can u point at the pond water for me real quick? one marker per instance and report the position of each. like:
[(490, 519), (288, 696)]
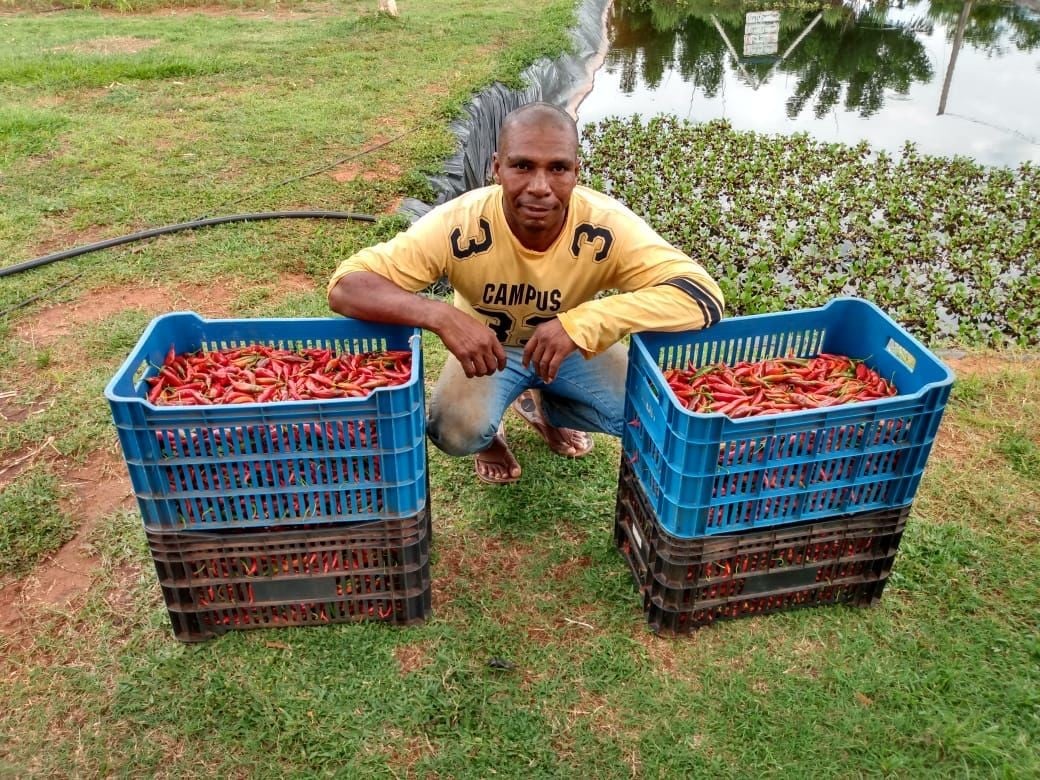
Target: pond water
[(955, 78)]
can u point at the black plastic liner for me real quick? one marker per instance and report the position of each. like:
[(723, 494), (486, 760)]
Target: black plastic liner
[(564, 82)]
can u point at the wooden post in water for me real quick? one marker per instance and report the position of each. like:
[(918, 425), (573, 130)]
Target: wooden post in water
[(958, 38)]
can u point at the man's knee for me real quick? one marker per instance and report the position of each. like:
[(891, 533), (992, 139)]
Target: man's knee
[(615, 366), (457, 435), (459, 419)]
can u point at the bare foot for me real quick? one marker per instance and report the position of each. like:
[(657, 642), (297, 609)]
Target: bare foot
[(496, 465), (563, 441)]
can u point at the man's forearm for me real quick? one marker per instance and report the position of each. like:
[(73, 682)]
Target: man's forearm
[(597, 324), (368, 296)]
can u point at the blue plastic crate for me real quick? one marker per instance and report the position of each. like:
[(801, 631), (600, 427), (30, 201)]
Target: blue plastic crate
[(708, 474), (286, 463)]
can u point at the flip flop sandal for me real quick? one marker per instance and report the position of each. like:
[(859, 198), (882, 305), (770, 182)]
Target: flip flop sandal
[(492, 480), (528, 406), (506, 480)]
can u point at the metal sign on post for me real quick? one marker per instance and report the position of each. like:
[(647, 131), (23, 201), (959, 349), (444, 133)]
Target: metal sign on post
[(761, 33)]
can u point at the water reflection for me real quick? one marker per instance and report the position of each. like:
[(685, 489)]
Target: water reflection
[(953, 77)]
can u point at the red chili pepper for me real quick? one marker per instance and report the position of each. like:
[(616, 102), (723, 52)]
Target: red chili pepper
[(776, 385), (268, 393), (260, 373)]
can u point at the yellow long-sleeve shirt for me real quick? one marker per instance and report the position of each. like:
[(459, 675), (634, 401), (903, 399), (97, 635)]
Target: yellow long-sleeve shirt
[(603, 246)]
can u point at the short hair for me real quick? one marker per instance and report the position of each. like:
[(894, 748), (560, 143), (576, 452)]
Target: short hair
[(538, 113)]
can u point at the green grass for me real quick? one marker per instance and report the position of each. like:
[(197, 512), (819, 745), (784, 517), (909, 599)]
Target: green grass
[(940, 679), (217, 110), (1021, 452), (537, 660), (32, 521), (25, 132)]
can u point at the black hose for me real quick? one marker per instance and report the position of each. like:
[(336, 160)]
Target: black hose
[(143, 234), (38, 296)]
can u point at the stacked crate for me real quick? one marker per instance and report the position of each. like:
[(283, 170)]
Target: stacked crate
[(720, 518), (281, 513)]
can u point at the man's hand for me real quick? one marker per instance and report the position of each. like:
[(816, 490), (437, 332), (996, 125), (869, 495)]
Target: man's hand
[(473, 343), (547, 348)]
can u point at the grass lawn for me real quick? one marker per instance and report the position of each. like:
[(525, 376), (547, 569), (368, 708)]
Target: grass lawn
[(537, 661)]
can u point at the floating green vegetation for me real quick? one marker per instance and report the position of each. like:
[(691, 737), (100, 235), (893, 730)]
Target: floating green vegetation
[(947, 247)]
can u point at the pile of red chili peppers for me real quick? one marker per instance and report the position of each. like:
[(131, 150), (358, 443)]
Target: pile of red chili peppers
[(313, 564), (259, 374), (731, 588), (298, 614), (231, 593), (829, 594), (777, 385)]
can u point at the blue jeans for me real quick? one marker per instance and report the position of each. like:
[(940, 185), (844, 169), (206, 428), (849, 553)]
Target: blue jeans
[(587, 395)]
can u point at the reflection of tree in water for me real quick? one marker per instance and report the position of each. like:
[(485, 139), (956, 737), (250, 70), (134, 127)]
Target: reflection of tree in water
[(991, 24), (647, 41), (652, 35), (867, 60)]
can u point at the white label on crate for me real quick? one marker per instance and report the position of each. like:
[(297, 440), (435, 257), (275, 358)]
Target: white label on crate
[(899, 352), (638, 537)]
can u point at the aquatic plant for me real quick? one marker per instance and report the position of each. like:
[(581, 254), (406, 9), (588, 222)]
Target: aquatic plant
[(948, 247)]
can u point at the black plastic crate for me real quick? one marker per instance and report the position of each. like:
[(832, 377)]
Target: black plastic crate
[(683, 621), (213, 582), (683, 563), (688, 583), (400, 609)]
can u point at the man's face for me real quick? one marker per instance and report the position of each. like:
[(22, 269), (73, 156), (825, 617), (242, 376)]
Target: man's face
[(537, 165)]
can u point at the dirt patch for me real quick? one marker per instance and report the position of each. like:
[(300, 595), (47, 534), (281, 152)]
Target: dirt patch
[(402, 751), (212, 300), (100, 486), (349, 171), (597, 713), (569, 569), (497, 572), (108, 46), (281, 14), (469, 561), (295, 283), (22, 460), (393, 207), (15, 410), (980, 365), (360, 166), (123, 597), (963, 445), (801, 656), (663, 655), (57, 239), (52, 324), (998, 375), (411, 658), (49, 101)]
